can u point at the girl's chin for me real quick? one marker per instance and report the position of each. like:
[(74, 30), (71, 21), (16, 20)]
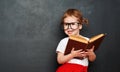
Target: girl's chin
[(70, 34)]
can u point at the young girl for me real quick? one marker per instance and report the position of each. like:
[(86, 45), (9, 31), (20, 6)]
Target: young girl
[(72, 22)]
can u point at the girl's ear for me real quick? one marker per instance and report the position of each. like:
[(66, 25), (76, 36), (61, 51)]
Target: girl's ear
[(80, 26)]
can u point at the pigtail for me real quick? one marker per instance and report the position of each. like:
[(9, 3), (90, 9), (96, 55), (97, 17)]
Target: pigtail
[(84, 21)]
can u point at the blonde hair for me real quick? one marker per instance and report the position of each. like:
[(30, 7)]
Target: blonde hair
[(77, 14)]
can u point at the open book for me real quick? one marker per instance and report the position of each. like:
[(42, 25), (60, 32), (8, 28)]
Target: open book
[(78, 42)]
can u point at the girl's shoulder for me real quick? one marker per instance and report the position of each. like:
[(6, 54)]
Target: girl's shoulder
[(65, 39)]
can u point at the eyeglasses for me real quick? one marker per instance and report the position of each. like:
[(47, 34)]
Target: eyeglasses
[(73, 25)]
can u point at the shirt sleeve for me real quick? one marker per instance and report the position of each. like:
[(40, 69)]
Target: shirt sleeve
[(62, 45)]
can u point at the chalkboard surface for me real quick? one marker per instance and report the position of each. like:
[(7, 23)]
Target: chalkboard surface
[(30, 31)]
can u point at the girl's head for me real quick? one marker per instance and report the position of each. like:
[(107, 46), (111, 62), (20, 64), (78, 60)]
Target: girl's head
[(76, 13), (72, 21)]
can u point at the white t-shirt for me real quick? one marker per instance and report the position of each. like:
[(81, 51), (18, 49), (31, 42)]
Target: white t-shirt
[(61, 48)]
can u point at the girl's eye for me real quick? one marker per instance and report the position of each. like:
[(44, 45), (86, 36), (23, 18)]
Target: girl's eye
[(72, 23), (66, 24)]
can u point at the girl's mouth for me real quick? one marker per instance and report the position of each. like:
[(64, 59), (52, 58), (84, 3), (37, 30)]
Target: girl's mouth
[(69, 32)]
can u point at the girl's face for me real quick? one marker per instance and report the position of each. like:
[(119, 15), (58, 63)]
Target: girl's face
[(71, 26)]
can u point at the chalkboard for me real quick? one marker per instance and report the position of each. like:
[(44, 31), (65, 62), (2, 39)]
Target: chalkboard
[(30, 32)]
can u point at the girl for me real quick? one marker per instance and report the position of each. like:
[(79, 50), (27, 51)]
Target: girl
[(72, 22)]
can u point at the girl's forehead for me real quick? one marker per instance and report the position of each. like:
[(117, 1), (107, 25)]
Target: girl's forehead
[(71, 19)]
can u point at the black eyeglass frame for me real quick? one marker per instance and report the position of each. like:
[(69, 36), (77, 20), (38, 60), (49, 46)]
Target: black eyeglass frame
[(69, 25)]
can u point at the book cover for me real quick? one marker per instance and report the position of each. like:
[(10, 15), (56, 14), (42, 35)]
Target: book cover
[(78, 42)]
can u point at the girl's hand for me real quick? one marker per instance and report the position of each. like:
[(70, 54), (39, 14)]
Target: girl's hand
[(90, 51), (77, 53), (91, 54)]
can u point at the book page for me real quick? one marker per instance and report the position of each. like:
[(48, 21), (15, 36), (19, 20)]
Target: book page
[(79, 39), (92, 39)]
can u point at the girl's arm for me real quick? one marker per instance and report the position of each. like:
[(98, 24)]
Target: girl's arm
[(61, 58), (92, 56)]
